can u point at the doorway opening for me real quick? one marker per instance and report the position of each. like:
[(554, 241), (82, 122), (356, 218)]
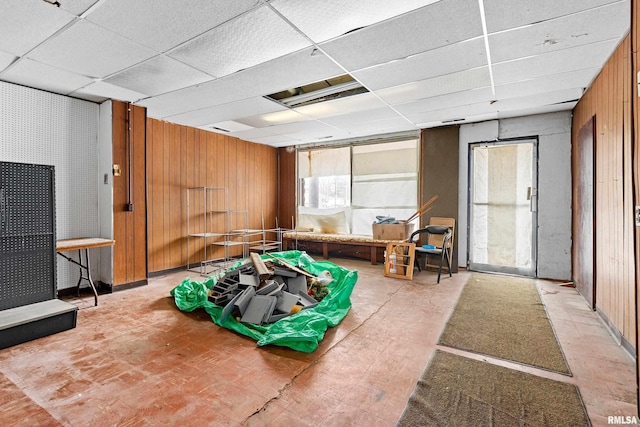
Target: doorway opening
[(503, 180)]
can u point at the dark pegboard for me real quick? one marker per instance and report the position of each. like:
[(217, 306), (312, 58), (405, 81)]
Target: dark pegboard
[(27, 234), (25, 199)]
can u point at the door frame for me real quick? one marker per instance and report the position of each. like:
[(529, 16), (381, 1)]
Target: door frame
[(533, 272)]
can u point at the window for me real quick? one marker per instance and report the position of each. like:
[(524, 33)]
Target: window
[(361, 181)]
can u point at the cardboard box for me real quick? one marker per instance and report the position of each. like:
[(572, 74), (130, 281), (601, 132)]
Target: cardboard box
[(400, 231)]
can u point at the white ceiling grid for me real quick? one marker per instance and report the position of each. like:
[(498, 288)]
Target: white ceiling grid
[(202, 63)]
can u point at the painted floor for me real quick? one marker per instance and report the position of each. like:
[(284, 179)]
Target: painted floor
[(136, 360)]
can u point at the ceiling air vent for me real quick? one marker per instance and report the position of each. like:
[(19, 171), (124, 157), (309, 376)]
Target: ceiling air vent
[(320, 91)]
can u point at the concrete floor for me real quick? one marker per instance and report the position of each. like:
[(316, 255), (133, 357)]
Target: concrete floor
[(136, 360)]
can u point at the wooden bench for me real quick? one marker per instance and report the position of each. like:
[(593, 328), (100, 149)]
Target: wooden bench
[(331, 241)]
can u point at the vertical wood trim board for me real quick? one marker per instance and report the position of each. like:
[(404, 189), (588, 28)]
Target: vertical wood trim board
[(287, 187), (130, 227)]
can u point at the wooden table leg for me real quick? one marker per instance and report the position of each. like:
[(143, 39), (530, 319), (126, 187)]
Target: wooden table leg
[(374, 256), (325, 250)]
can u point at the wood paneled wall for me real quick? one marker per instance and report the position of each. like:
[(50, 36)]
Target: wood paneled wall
[(129, 226), (181, 157), (287, 175), (608, 99)]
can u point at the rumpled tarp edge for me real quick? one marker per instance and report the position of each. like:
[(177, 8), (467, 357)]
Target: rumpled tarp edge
[(302, 331)]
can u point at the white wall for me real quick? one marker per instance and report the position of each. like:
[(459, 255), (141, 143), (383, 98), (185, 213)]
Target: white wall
[(554, 184), (105, 195), (44, 128)]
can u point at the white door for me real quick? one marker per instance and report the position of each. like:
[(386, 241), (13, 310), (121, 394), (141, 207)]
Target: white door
[(502, 208)]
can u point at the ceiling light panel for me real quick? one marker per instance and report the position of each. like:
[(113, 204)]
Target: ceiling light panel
[(362, 102), (322, 20), (158, 75), (244, 108), (445, 60), (505, 14), (456, 82), (273, 119), (581, 57), (253, 38), (419, 31), (561, 33), (163, 25), (29, 73), (27, 23), (88, 49), (104, 90)]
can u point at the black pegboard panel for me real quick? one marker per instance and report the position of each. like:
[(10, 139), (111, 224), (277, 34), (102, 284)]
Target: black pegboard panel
[(27, 234), (25, 199)]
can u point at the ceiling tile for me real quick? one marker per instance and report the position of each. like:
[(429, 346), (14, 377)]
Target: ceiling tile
[(448, 59), (415, 32), (397, 124), (550, 83), (25, 24), (505, 14), (255, 37), (455, 82), (158, 75), (85, 48), (576, 58), (292, 70), (176, 22), (228, 126), (561, 33), (448, 100), (289, 71), (539, 99), (77, 7), (322, 20), (362, 102), (230, 111), (537, 110), (361, 117), (254, 133), (30, 73), (6, 59), (457, 113), (99, 90), (483, 117), (276, 141)]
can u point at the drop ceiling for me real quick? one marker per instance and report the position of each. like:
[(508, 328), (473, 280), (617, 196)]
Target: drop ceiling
[(210, 65)]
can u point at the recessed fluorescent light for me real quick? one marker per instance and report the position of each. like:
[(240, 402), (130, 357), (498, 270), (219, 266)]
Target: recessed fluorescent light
[(320, 91)]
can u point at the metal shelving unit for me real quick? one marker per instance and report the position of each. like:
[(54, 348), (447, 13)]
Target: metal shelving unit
[(210, 221)]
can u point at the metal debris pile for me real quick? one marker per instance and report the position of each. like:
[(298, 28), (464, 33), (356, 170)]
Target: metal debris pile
[(262, 291)]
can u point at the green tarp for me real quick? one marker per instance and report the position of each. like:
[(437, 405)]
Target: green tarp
[(301, 331)]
